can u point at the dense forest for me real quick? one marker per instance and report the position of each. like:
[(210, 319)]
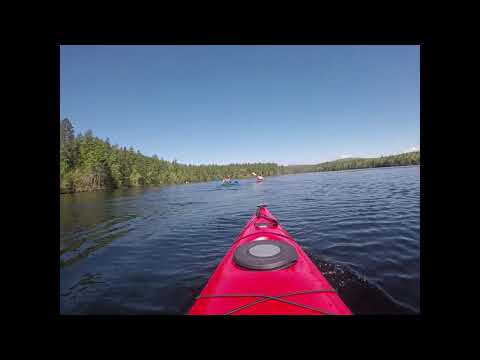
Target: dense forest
[(88, 163)]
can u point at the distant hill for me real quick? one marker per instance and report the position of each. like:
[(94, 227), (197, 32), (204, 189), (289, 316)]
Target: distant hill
[(409, 158)]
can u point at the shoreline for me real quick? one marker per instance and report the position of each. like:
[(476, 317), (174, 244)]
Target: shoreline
[(197, 182)]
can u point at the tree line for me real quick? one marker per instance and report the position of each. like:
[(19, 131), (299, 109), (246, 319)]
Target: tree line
[(405, 159), (88, 163)]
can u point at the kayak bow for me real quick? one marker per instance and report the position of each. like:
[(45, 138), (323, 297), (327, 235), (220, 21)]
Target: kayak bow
[(265, 272)]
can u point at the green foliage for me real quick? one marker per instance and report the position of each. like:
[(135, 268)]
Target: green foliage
[(410, 158), (68, 146), (88, 163), (66, 183), (136, 178)]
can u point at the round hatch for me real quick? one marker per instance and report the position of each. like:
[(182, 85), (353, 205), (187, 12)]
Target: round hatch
[(265, 255)]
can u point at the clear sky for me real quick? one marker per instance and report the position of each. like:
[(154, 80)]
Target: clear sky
[(234, 104)]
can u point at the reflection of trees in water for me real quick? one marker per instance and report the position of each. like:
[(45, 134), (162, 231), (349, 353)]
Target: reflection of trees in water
[(82, 248), (89, 221)]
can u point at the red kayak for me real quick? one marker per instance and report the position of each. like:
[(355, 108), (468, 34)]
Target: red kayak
[(265, 272)]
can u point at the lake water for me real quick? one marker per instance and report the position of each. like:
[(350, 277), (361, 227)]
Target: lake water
[(151, 250)]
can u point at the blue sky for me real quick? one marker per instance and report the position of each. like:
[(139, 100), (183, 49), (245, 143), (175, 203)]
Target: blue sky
[(234, 104)]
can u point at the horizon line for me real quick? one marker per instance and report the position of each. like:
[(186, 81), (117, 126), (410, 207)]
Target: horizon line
[(295, 164)]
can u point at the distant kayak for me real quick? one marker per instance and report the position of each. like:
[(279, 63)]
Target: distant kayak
[(258, 177), (235, 182), (265, 272)]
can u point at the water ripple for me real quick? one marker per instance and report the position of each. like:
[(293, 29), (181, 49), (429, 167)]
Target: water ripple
[(152, 250)]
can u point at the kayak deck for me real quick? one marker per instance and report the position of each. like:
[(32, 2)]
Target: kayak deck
[(295, 289)]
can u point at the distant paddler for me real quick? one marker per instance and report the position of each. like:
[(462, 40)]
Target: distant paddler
[(259, 177)]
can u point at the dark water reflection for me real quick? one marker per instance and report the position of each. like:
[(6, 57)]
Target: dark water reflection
[(151, 250)]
